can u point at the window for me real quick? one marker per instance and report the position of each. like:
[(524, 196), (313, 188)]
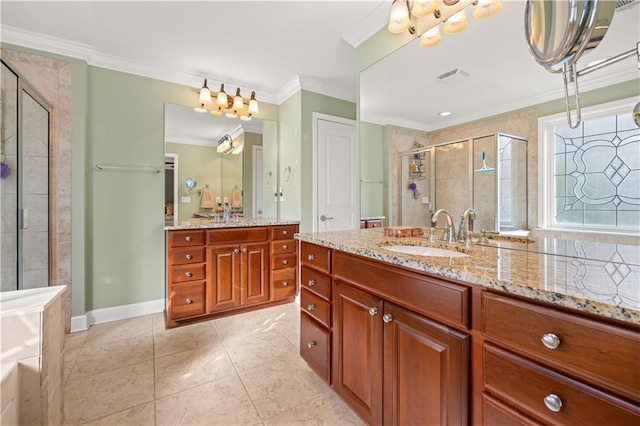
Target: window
[(590, 175)]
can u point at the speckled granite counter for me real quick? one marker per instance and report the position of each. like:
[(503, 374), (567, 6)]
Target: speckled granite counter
[(242, 223), (602, 279)]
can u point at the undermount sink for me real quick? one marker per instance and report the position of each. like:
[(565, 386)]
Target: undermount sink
[(426, 251)]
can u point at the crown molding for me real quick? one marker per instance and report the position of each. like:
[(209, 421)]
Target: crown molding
[(288, 90), (315, 85), (371, 24)]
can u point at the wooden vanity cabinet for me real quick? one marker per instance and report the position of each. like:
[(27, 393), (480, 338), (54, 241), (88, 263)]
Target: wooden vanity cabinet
[(284, 253), (185, 274)]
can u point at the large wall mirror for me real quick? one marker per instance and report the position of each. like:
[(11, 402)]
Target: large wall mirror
[(443, 93), (200, 180)]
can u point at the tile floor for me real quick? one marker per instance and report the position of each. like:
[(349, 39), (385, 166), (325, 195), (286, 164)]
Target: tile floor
[(240, 370)]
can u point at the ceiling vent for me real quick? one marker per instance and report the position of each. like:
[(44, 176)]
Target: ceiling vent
[(454, 76), (625, 4)]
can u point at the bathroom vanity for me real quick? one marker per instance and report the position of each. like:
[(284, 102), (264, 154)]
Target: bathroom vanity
[(509, 334), (216, 269)]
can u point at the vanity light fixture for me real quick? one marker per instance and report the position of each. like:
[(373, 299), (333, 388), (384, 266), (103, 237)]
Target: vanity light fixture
[(423, 17), (232, 107), (232, 142)]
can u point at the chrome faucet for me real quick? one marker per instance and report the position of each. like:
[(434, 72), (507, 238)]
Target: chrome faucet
[(466, 225), (450, 230)]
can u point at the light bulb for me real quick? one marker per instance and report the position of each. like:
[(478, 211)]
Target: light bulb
[(456, 23), (205, 93), (399, 18), (486, 8), (221, 100), (431, 37), (423, 7)]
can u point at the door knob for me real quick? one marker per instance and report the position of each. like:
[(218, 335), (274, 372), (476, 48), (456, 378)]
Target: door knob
[(387, 318), (550, 341), (311, 344), (311, 283), (244, 250), (373, 311), (189, 257), (285, 283), (236, 251), (188, 238), (323, 218)]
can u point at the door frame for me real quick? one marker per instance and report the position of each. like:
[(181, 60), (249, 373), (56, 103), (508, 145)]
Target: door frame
[(316, 117)]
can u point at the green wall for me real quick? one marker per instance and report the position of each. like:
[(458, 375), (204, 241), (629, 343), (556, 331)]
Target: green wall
[(289, 155), (371, 169), (250, 140)]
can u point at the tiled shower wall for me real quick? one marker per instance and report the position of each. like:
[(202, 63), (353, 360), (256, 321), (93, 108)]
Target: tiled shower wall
[(52, 79)]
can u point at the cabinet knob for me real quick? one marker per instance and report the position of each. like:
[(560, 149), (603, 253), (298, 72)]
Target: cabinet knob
[(311, 344), (311, 307), (189, 301), (311, 257), (311, 283), (188, 238), (284, 262), (189, 257), (373, 311), (285, 283), (284, 247), (387, 318), (550, 341), (244, 250), (189, 274), (236, 251), (284, 232), (373, 225), (553, 402)]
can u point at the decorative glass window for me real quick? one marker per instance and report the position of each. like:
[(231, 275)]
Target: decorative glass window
[(591, 174)]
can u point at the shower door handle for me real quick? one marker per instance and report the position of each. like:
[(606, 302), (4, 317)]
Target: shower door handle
[(23, 218)]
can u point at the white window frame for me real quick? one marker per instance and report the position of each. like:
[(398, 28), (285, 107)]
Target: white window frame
[(546, 165)]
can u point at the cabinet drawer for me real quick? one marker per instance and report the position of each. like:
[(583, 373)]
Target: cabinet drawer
[(187, 300), (315, 256), (186, 255), (318, 308), (237, 235), (283, 246), (315, 346), (190, 272), (316, 282), (283, 232), (281, 261), (586, 348), (373, 224), (283, 283), (186, 238), (529, 386)]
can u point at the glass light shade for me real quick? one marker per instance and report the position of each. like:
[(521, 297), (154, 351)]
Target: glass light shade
[(224, 145), (216, 112), (205, 93), (399, 18), (253, 104), (231, 115), (456, 23), (430, 38), (238, 145), (486, 8), (245, 117), (423, 7), (221, 99), (200, 109), (238, 102)]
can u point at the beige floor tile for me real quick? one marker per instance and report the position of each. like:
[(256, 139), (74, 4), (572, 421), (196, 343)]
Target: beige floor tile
[(188, 369), (289, 311), (118, 330), (75, 340), (281, 385), (222, 402), (103, 394), (325, 409), (291, 332), (251, 350), (142, 415), (249, 323), (101, 356), (158, 322), (167, 342), (70, 357)]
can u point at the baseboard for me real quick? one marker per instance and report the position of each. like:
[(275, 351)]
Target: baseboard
[(115, 313)]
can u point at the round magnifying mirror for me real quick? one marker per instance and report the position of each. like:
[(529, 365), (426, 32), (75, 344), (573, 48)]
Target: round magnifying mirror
[(190, 183)]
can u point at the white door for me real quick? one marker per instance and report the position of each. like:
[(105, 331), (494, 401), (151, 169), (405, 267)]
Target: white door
[(337, 174), (257, 182)]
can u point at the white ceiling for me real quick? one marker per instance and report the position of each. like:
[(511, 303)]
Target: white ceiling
[(275, 46)]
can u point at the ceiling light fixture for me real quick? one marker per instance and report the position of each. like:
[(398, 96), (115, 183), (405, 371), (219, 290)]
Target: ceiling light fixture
[(423, 17), (232, 107), (444, 113)]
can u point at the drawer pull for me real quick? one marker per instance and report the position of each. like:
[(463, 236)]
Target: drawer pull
[(284, 247), (236, 251), (244, 250), (387, 318), (373, 311), (188, 238), (311, 283), (284, 262), (285, 283), (311, 257), (189, 301), (189, 257), (311, 307), (189, 274), (553, 402), (550, 341), (311, 344), (373, 225), (284, 232)]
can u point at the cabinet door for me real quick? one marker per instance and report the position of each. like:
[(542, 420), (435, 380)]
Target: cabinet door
[(223, 285), (255, 273), (425, 370), (357, 355)]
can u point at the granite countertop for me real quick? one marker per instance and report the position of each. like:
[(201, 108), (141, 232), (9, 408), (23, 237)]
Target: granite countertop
[(241, 223), (599, 278)]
